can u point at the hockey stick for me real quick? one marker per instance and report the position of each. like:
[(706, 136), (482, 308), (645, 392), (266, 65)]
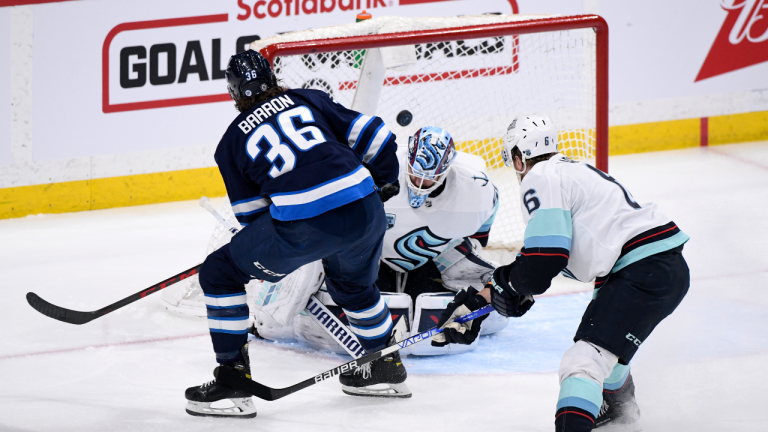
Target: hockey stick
[(206, 204), (233, 378), (77, 317)]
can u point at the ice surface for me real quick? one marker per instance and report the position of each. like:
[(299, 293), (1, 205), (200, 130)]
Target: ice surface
[(703, 369)]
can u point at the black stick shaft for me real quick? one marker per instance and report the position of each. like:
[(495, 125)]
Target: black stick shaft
[(234, 379), (78, 317)]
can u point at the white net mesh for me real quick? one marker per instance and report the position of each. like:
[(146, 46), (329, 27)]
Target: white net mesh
[(472, 88)]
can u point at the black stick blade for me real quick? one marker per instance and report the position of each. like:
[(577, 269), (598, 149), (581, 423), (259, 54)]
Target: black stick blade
[(58, 313)]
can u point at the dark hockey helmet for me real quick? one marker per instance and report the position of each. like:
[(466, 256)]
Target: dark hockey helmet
[(249, 74)]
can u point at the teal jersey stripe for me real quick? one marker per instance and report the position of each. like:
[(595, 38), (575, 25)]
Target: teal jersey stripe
[(548, 242), (650, 249), (579, 403), (487, 225), (618, 377), (583, 391), (550, 222)]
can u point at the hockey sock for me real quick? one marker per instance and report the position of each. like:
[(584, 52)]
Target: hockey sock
[(617, 379), (578, 405), (371, 325), (224, 287)]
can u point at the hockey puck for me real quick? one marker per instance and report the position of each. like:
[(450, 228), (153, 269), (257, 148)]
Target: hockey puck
[(404, 118)]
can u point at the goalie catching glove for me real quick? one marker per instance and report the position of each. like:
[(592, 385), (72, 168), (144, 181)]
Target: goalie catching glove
[(504, 298), (453, 332)]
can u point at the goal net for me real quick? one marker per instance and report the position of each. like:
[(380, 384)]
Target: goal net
[(469, 75)]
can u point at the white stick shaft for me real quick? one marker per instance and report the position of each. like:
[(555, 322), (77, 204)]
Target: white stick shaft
[(206, 204)]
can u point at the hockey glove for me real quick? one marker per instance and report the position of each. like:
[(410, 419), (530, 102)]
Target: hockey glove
[(389, 190), (504, 298), (466, 333)]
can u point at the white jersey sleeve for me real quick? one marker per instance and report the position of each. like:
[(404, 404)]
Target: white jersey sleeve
[(584, 223)]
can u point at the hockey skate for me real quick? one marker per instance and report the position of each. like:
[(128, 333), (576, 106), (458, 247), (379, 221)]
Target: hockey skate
[(384, 377), (619, 411), (213, 399)]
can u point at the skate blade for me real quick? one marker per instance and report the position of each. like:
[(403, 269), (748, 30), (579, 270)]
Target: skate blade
[(243, 408), (391, 391)]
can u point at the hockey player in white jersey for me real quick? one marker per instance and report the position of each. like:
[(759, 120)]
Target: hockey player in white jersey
[(583, 223)]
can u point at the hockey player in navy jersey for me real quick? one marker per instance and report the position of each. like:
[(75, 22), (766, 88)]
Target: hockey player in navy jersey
[(583, 223), (302, 173)]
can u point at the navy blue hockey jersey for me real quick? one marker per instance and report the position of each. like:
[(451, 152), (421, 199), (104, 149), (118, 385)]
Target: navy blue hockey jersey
[(301, 154)]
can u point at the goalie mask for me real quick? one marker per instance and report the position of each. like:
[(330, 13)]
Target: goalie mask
[(430, 154), (534, 135)]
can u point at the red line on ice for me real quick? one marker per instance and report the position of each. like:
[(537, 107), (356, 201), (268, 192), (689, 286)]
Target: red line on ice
[(66, 350)]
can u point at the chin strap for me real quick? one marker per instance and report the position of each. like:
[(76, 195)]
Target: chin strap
[(519, 174)]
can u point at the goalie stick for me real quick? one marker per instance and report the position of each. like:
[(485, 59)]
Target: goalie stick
[(233, 379)]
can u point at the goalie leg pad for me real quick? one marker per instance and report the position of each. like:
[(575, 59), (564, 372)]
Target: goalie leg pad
[(269, 329), (285, 299), (310, 332), (366, 311)]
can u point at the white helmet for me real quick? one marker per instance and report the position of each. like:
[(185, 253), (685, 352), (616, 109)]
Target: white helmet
[(533, 134)]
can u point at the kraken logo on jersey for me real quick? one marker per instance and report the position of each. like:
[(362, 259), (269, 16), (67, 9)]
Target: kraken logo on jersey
[(415, 248)]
